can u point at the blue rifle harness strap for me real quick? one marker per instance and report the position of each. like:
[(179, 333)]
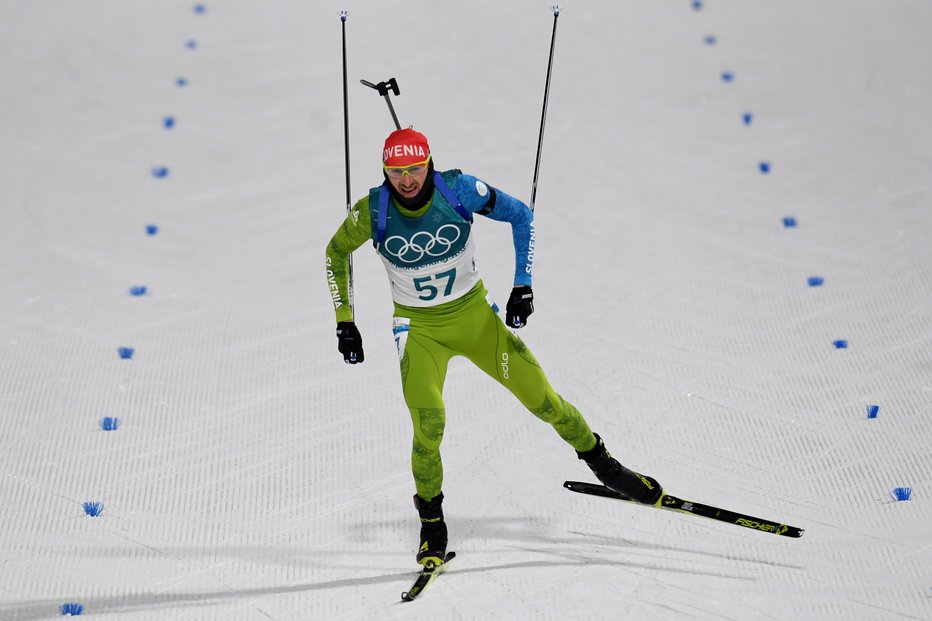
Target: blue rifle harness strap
[(384, 195), (439, 183), (451, 197)]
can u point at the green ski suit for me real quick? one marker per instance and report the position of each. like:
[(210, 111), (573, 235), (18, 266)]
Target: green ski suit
[(441, 308)]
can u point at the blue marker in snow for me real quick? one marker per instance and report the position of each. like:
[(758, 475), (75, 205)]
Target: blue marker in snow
[(816, 281), (191, 44), (93, 509), (747, 117), (168, 122), (200, 9), (872, 411), (902, 493), (137, 291), (71, 609), (840, 344), (108, 423), (160, 172), (789, 222), (728, 76), (126, 353), (181, 82), (764, 167), (151, 229)]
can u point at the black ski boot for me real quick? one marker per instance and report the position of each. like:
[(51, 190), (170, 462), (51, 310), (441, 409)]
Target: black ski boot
[(641, 488), (433, 546)]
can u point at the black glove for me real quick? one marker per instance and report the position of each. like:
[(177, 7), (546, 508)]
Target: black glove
[(349, 342), (520, 306)]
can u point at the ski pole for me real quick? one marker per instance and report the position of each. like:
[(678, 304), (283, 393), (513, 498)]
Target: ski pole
[(384, 88), (343, 17), (543, 115)]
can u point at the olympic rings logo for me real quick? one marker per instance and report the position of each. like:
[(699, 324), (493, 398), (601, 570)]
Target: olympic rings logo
[(423, 243)]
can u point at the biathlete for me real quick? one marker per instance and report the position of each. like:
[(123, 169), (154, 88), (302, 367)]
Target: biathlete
[(420, 223)]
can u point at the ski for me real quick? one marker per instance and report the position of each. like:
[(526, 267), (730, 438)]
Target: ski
[(427, 575), (673, 503)]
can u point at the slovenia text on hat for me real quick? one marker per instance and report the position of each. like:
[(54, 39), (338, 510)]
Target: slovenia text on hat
[(404, 147)]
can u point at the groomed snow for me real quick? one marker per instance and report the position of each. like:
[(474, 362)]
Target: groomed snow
[(255, 476)]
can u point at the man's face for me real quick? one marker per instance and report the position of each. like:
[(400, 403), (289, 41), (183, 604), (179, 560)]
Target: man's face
[(407, 180)]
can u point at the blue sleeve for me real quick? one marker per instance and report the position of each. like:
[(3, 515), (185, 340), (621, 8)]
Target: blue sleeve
[(479, 197)]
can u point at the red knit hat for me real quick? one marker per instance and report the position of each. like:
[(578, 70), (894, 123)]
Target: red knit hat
[(404, 147)]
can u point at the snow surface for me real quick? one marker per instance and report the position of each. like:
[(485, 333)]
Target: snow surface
[(255, 476)]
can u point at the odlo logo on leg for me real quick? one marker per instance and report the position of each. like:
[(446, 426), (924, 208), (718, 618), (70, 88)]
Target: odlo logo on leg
[(504, 365)]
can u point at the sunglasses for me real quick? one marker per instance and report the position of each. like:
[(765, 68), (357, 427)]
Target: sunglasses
[(397, 172)]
